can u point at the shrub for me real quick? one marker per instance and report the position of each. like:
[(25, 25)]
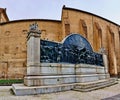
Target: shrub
[(4, 82)]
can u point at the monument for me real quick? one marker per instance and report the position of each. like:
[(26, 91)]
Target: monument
[(69, 65)]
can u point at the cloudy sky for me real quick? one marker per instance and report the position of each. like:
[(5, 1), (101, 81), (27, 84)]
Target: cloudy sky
[(51, 9)]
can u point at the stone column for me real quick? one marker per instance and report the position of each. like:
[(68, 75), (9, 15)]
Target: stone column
[(33, 53), (105, 61)]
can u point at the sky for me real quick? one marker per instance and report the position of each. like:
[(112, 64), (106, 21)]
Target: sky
[(52, 9)]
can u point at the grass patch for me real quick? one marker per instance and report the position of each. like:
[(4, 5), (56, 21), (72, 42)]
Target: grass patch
[(4, 82)]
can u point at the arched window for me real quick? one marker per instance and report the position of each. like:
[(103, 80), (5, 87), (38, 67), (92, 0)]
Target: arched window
[(83, 28), (97, 35), (67, 29), (111, 52), (111, 38)]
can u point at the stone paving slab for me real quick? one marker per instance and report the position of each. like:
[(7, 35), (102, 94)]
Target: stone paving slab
[(108, 93), (116, 97)]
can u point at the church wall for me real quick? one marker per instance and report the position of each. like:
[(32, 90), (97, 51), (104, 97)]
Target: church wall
[(13, 45), (115, 36), (119, 54), (113, 69)]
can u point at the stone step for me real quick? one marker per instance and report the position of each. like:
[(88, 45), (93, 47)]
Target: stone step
[(21, 89), (85, 87), (95, 83)]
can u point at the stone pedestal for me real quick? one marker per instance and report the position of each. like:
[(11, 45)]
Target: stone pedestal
[(33, 53)]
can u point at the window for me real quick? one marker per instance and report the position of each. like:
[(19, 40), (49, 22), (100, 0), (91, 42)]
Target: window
[(67, 29)]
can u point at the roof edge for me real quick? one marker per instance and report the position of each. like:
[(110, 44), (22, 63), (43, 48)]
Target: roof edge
[(22, 20), (68, 8)]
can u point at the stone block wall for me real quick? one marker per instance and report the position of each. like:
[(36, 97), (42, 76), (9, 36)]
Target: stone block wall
[(13, 47)]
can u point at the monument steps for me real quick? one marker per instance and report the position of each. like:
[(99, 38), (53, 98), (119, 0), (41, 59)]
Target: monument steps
[(21, 89), (89, 86)]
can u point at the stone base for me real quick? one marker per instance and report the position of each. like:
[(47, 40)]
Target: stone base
[(21, 89)]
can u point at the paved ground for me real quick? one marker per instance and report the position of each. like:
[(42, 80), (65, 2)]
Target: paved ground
[(108, 93)]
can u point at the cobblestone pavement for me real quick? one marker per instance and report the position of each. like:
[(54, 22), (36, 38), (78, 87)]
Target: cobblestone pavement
[(108, 93)]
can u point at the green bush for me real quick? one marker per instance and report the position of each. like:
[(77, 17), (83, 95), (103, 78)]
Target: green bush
[(10, 81)]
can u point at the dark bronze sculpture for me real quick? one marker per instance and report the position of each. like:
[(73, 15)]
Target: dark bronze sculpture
[(75, 49)]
